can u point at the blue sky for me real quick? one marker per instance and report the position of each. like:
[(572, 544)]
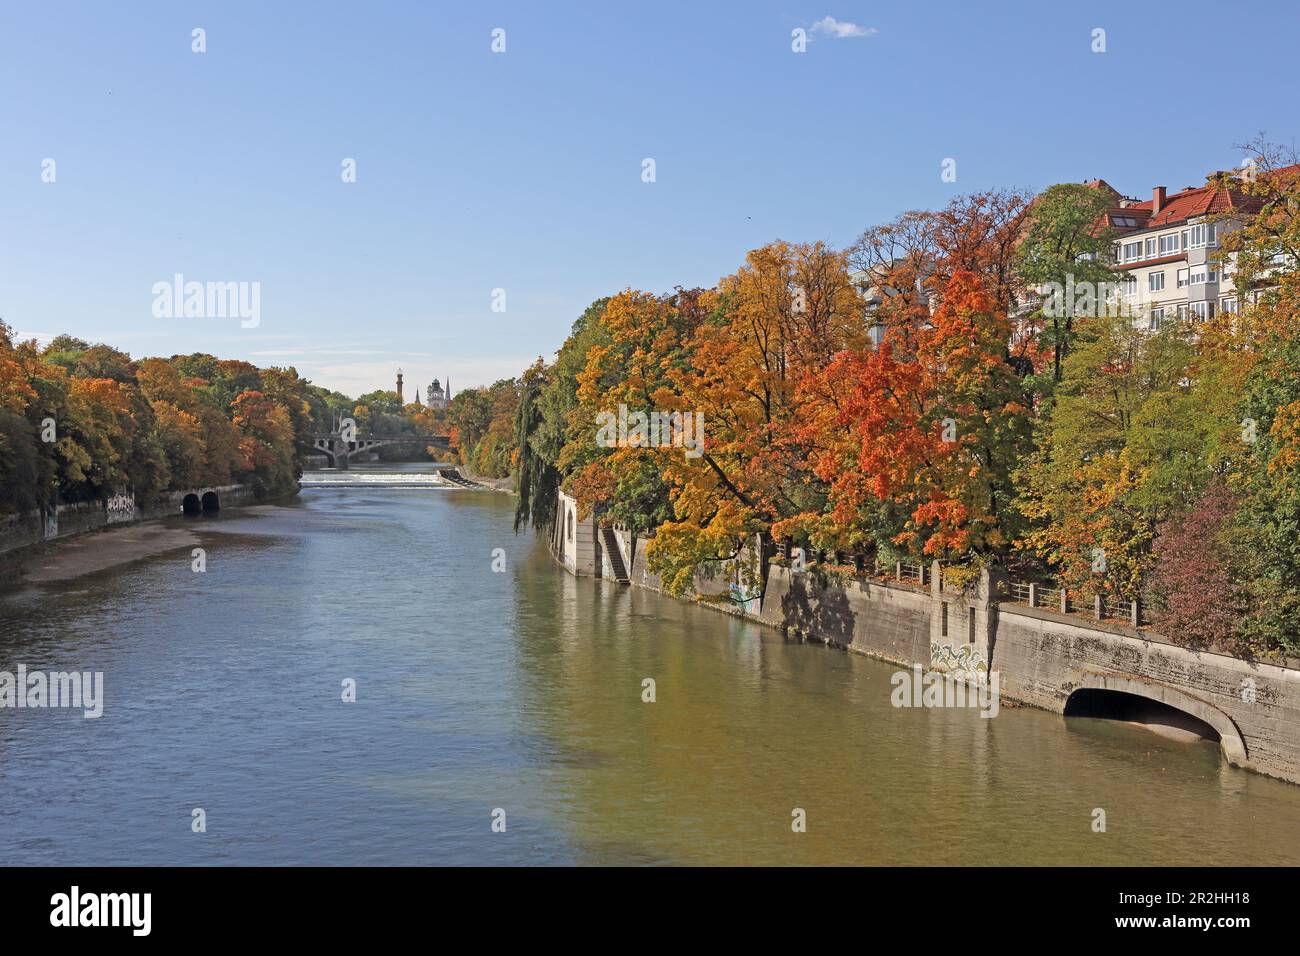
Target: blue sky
[(522, 170)]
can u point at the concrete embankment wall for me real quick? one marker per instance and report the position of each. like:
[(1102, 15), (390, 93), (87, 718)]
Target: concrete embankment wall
[(36, 527), (1041, 657)]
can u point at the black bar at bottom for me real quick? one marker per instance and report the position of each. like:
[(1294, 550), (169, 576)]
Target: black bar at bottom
[(335, 905)]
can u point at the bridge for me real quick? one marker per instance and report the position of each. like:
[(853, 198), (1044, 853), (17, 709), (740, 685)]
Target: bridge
[(339, 449)]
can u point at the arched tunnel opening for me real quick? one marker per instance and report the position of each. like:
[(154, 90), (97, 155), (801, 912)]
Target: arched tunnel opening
[(190, 505), (1135, 709), (211, 503)]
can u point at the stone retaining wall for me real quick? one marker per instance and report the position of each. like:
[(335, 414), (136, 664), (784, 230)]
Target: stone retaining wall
[(34, 527), (1042, 657)]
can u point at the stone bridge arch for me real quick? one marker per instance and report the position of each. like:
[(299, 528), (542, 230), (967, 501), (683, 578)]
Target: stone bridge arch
[(1230, 740)]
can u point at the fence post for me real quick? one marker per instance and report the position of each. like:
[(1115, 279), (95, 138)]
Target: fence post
[(1033, 595), (898, 570), (1065, 602), (1098, 606), (1135, 612)]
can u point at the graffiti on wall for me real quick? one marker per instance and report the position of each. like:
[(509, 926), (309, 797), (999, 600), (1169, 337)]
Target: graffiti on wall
[(961, 661), (120, 508)]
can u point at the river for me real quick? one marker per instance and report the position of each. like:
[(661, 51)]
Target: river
[(520, 690)]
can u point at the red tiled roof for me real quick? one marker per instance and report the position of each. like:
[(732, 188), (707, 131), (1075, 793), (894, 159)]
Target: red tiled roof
[(1216, 197), (1207, 200), (1136, 213)]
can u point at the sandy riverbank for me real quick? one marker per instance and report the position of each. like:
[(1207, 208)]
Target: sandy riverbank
[(98, 551), (110, 547)]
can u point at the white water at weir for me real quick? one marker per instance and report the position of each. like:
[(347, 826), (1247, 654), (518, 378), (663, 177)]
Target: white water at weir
[(395, 475), (351, 479)]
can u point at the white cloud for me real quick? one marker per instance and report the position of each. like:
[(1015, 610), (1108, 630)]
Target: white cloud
[(842, 29)]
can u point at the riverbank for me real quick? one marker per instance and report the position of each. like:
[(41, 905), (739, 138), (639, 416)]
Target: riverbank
[(99, 551), (102, 540), (506, 485)]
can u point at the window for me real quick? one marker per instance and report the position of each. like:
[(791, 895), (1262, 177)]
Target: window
[(1211, 275), (1157, 317), (1169, 244), (1155, 281), (1199, 236), (1198, 275), (1182, 278), (1212, 233), (1126, 222), (944, 620), (1203, 310), (1130, 285), (1186, 238), (1182, 312), (1151, 248), (1229, 305), (1132, 251)]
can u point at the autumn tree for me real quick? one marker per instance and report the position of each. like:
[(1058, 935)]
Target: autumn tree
[(771, 327), (1066, 241), (265, 443), (931, 434), (1096, 485), (551, 417), (1203, 604)]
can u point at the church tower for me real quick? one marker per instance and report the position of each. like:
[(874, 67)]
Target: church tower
[(435, 396)]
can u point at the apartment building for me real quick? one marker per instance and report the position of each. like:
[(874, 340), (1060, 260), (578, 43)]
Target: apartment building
[(1169, 249)]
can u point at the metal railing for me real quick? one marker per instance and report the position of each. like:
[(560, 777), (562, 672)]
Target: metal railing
[(1058, 599), (910, 573), (1050, 597)]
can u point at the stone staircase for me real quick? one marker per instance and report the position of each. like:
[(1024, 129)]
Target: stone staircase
[(610, 541)]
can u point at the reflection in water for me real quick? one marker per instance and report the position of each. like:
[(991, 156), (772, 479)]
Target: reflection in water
[(522, 690)]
